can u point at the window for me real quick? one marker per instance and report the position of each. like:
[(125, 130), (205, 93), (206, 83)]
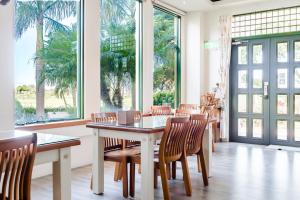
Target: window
[(267, 22), (120, 59), (166, 83), (48, 60)]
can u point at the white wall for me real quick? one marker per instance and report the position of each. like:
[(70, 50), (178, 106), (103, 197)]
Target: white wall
[(6, 67), (194, 73)]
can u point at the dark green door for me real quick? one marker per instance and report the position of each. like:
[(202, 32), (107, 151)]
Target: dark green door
[(265, 91), (249, 105), (285, 91)]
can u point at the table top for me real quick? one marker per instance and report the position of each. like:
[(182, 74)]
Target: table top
[(149, 124), (46, 142)]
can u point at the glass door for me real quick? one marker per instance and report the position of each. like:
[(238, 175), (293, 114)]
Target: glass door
[(285, 91), (249, 92)]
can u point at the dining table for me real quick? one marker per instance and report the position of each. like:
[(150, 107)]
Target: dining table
[(148, 131), (55, 149)]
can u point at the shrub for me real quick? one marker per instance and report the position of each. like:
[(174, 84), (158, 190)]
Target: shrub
[(160, 98)]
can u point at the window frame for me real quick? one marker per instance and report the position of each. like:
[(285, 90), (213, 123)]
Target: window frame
[(79, 120), (178, 53)]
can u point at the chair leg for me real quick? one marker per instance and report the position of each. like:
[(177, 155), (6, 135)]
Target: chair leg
[(140, 169), (174, 170), (91, 185), (203, 166), (164, 180), (125, 179), (186, 176), (199, 163), (155, 177), (132, 180), (168, 167), (118, 171)]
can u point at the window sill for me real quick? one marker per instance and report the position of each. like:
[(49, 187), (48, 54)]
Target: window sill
[(51, 125)]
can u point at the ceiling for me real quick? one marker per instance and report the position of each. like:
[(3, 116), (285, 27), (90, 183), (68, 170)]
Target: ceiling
[(204, 5)]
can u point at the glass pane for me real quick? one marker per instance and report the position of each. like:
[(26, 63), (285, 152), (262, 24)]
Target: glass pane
[(257, 103), (242, 101), (166, 49), (282, 78), (297, 130), (119, 59), (257, 128), (243, 55), (243, 79), (297, 104), (257, 54), (282, 129), (282, 52), (297, 51), (242, 127), (282, 104), (47, 61), (257, 78), (297, 78)]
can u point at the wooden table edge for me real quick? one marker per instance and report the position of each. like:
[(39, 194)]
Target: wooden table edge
[(58, 145)]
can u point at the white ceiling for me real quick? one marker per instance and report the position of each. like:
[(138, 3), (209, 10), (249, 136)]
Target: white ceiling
[(204, 5)]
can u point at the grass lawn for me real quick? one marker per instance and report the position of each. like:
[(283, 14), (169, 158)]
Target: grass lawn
[(27, 99)]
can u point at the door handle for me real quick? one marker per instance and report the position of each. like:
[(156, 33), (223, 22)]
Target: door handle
[(266, 89)]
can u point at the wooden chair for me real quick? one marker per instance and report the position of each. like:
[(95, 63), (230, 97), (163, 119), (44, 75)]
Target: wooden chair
[(172, 148), (189, 107), (161, 110), (197, 126), (16, 164), (115, 151)]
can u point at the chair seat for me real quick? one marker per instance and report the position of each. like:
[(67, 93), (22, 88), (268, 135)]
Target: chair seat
[(121, 154)]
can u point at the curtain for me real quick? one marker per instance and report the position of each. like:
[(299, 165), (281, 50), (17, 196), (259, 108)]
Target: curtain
[(225, 56)]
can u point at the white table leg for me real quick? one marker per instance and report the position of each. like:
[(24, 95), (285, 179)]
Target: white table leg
[(147, 169), (207, 149), (98, 163), (62, 175)]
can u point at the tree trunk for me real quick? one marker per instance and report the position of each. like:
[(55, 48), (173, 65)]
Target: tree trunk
[(40, 86), (74, 96)]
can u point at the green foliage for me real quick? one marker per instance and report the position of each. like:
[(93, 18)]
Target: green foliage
[(60, 57), (23, 88), (160, 98)]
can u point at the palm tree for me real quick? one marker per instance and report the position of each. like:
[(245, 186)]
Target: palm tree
[(60, 58), (43, 16)]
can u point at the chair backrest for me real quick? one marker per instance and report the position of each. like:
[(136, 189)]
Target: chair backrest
[(173, 142), (189, 107), (110, 144), (137, 116), (161, 110), (196, 129), (16, 163)]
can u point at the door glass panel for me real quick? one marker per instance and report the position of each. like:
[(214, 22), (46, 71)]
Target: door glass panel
[(297, 130), (297, 104), (242, 127), (282, 78), (257, 128), (282, 52), (282, 129), (297, 51), (243, 79), (242, 103), (297, 78), (257, 54), (243, 54), (282, 104), (257, 103), (257, 78)]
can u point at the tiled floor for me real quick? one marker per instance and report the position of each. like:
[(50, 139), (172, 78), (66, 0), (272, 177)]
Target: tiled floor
[(240, 172)]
